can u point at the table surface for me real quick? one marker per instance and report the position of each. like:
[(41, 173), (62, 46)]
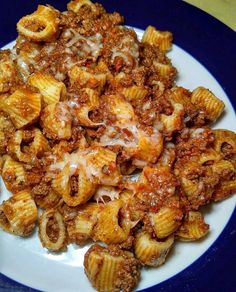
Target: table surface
[(223, 10)]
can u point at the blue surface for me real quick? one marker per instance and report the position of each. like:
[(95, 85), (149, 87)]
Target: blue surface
[(214, 45)]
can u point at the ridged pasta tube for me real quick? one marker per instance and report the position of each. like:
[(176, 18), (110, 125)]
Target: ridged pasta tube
[(75, 5), (193, 227), (151, 252), (205, 100), (110, 272), (52, 90), (109, 227), (21, 213), (23, 107), (161, 39), (42, 25), (52, 230), (166, 221)]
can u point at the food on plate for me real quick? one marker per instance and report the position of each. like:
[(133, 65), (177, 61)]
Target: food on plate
[(98, 143)]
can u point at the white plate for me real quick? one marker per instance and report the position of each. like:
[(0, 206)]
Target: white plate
[(27, 262)]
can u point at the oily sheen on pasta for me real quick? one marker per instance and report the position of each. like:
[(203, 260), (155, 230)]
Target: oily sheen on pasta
[(99, 144)]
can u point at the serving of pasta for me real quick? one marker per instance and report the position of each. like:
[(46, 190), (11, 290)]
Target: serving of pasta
[(99, 144)]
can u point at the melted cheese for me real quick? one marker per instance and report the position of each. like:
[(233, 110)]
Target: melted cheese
[(117, 53), (91, 45), (78, 159), (127, 48), (23, 67), (109, 139), (74, 160), (196, 133), (24, 62), (63, 112), (73, 103), (106, 191)]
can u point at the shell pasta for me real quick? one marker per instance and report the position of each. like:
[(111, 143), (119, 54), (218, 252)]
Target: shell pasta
[(99, 144)]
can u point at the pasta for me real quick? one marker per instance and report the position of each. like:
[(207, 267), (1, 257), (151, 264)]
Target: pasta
[(82, 113), (81, 228), (23, 107), (96, 133), (42, 25), (193, 227), (21, 213), (134, 92), (111, 272), (8, 72), (52, 91), (53, 237), (13, 174), (108, 228), (208, 102), (166, 221), (150, 251), (157, 38), (85, 79), (56, 120), (36, 147), (77, 4)]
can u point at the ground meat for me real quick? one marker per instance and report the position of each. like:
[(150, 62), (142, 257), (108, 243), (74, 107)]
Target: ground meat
[(41, 189), (224, 189), (7, 129), (128, 277), (74, 184), (52, 229), (156, 191), (88, 22), (34, 175), (126, 245), (149, 53), (228, 151), (44, 196), (10, 79), (58, 149), (77, 94), (147, 226), (103, 113), (71, 19), (149, 109), (200, 178), (121, 50), (68, 213), (4, 223), (189, 145), (3, 147)]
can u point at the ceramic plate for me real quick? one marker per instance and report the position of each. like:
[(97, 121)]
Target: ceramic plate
[(201, 54)]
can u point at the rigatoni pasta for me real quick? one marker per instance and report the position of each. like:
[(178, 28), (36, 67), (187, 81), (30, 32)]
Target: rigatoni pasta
[(150, 251), (96, 133), (42, 25), (13, 174), (52, 90), (207, 101), (108, 271), (52, 230), (161, 39), (23, 107), (193, 227), (21, 213)]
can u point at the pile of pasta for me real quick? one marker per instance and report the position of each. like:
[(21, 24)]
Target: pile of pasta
[(98, 143)]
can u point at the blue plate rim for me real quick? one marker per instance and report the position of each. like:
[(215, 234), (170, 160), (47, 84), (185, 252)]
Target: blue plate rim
[(213, 39)]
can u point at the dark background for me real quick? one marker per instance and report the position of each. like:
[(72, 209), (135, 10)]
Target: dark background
[(214, 45)]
